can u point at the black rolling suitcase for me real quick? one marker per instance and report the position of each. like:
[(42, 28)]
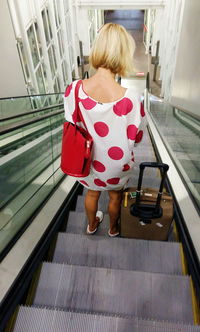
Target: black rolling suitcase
[(147, 214)]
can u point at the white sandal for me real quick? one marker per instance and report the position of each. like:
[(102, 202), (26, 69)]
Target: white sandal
[(99, 215), (112, 235)]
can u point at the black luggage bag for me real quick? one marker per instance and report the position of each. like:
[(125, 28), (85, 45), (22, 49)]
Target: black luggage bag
[(147, 214)]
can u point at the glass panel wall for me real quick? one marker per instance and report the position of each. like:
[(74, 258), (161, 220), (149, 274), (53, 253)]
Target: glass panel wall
[(23, 59), (12, 106), (29, 172), (38, 38), (48, 26), (37, 55), (64, 71), (40, 80), (45, 24), (51, 46), (33, 45), (181, 135)]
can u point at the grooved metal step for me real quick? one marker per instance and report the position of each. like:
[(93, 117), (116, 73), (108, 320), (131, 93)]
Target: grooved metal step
[(77, 224), (148, 181), (118, 253), (99, 290), (102, 205), (32, 319)]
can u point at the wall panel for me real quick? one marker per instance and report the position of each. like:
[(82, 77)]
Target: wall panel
[(12, 81), (186, 80)]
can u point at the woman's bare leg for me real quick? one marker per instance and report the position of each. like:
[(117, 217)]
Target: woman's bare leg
[(91, 207), (114, 207)]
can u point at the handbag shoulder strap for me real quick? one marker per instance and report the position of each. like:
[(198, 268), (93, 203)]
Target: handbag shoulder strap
[(77, 108)]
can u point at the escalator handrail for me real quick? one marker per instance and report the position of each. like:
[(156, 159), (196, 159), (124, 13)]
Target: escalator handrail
[(31, 112), (30, 96), (193, 115), (175, 162), (147, 82), (29, 122), (86, 75)]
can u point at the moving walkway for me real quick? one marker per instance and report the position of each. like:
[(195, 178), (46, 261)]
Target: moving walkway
[(95, 283)]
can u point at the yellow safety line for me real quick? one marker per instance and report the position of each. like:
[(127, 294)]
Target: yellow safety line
[(11, 322), (33, 286), (195, 304), (183, 261), (176, 232)]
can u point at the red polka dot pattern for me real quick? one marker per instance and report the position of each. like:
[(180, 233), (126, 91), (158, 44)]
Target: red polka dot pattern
[(88, 103), (131, 132), (76, 118), (139, 137), (101, 129), (99, 183), (115, 153), (126, 168), (84, 182), (99, 167), (142, 112), (113, 180), (123, 107), (68, 90)]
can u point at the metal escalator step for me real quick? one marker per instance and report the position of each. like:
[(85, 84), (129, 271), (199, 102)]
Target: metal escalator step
[(144, 150), (118, 253), (77, 224), (126, 293), (102, 203), (148, 181), (32, 319)]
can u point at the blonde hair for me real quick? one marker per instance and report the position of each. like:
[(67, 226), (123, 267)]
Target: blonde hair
[(113, 49)]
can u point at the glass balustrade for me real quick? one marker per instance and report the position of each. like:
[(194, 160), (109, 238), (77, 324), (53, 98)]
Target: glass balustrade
[(17, 105), (181, 134), (29, 170)]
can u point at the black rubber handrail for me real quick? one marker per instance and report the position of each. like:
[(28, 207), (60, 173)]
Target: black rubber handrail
[(31, 112), (184, 120), (193, 115), (86, 75), (147, 81), (28, 122)]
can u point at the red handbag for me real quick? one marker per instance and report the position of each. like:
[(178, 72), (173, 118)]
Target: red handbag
[(76, 144)]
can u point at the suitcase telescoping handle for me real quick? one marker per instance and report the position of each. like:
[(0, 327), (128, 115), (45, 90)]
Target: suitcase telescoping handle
[(155, 209)]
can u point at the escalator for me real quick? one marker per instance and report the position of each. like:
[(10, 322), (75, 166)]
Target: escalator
[(95, 283)]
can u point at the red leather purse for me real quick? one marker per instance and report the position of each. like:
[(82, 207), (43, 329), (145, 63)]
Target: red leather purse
[(76, 145)]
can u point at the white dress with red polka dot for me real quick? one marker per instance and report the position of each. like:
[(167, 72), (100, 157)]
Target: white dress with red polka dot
[(115, 128)]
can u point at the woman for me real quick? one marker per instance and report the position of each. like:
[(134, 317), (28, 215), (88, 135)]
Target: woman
[(113, 116)]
